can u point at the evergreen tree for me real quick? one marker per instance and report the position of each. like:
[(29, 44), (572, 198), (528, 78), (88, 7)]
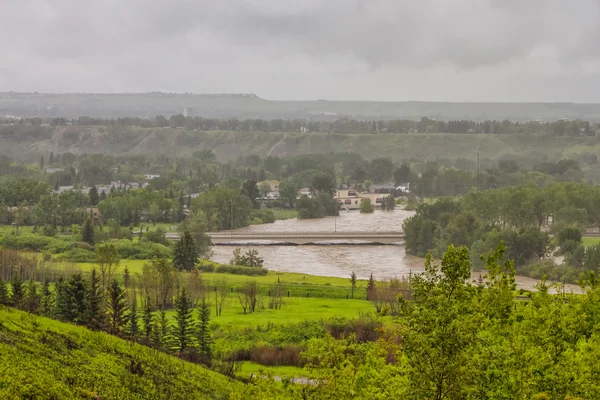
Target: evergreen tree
[(126, 277), (71, 299), (185, 254), (47, 302), (204, 334), (134, 328), (183, 321), (371, 288), (148, 319), (17, 292), (94, 196), (4, 298), (96, 317), (102, 196), (87, 232), (31, 302), (161, 331), (42, 163), (116, 307), (353, 282), (51, 159)]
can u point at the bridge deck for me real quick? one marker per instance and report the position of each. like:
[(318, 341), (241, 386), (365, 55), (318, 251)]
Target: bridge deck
[(298, 238)]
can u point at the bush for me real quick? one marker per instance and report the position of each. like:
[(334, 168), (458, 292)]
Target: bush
[(141, 250), (77, 255), (28, 242), (206, 267), (239, 270), (264, 216)]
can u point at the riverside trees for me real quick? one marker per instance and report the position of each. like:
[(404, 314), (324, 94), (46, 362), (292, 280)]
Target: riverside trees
[(531, 222)]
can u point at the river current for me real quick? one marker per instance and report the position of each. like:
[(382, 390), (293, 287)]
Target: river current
[(383, 262)]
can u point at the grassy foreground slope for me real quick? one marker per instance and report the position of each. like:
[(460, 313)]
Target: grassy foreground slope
[(45, 359)]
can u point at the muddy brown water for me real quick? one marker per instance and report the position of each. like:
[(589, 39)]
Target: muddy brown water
[(339, 260)]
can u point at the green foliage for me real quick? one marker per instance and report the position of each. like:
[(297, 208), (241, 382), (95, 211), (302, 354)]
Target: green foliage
[(223, 207), (366, 206), (4, 297), (72, 299), (184, 324), (204, 333), (116, 308), (87, 232), (258, 217), (185, 254), (241, 270)]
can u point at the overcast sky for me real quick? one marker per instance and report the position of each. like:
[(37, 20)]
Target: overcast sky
[(438, 50)]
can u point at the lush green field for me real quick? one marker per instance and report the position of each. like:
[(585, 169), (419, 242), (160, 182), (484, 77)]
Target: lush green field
[(590, 241), (45, 359), (294, 310), (8, 229), (299, 285)]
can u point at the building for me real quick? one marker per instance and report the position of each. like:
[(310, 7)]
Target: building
[(189, 112), (151, 176), (350, 199), (51, 170)]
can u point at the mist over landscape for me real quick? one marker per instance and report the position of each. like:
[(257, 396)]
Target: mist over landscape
[(285, 199)]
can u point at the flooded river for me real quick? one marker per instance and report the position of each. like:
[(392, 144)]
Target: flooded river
[(339, 261)]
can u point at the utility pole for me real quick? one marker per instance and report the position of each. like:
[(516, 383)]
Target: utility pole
[(231, 221)]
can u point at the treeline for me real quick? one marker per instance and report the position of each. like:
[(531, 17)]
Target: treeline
[(562, 127), (533, 222)]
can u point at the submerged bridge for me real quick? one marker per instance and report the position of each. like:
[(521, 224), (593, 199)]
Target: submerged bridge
[(228, 238)]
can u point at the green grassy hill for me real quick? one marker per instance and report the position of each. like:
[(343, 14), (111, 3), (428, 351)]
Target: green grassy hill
[(44, 359)]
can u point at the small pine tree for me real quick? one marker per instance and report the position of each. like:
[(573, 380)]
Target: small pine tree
[(161, 331), (148, 319), (87, 232), (73, 301), (204, 334), (94, 196), (95, 299), (184, 323), (31, 302), (185, 254), (117, 307), (371, 289), (51, 159), (134, 327), (42, 163), (4, 298), (353, 282), (17, 292), (126, 277), (47, 303)]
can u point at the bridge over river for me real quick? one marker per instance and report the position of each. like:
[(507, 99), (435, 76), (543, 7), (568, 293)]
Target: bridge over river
[(233, 238)]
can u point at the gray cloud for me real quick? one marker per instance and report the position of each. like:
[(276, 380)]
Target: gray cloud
[(355, 49)]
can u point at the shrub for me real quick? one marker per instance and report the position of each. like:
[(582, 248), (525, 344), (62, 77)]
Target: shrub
[(77, 255), (264, 216), (239, 270), (141, 250), (206, 267), (277, 355), (28, 242)]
